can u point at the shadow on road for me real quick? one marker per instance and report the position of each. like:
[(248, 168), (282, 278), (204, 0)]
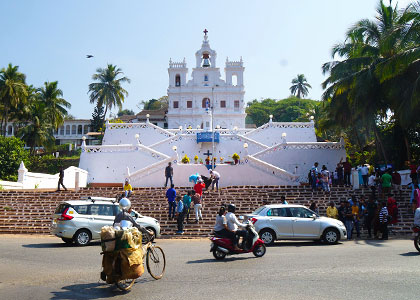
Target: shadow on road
[(213, 260), (300, 244), (375, 243), (57, 245), (410, 254), (92, 290)]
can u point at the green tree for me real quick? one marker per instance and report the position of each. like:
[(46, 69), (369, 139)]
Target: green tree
[(108, 91), (154, 104), (300, 86), (12, 152), (13, 91), (97, 121), (128, 112), (55, 106)]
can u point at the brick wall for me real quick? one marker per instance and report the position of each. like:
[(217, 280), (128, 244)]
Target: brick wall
[(31, 211)]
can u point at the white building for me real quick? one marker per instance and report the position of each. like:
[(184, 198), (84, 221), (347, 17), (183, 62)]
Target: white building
[(192, 101)]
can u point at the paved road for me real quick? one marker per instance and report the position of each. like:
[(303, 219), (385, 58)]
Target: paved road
[(40, 267)]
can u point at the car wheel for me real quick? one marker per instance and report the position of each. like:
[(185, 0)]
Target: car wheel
[(331, 236), (268, 236), (82, 237), (67, 241), (219, 255)]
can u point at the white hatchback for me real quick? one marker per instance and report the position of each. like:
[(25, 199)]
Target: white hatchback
[(81, 221), (295, 222)]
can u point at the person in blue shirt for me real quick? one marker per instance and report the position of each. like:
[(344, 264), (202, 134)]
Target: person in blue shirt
[(186, 200), (180, 214), (171, 195)]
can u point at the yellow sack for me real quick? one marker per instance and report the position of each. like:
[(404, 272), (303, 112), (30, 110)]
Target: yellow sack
[(131, 263), (107, 233)]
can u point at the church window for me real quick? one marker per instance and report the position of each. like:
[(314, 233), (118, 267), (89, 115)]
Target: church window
[(223, 103), (234, 80), (236, 105), (205, 60), (176, 103), (189, 104), (177, 80), (205, 103), (206, 77)]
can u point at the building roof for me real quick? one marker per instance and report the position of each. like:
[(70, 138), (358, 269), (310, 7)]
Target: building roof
[(158, 113)]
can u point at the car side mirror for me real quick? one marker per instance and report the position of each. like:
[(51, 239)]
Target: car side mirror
[(314, 216), (241, 218)]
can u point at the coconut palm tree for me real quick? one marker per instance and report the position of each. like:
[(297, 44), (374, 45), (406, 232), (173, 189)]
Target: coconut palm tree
[(300, 86), (358, 80), (108, 91), (55, 105), (13, 91)]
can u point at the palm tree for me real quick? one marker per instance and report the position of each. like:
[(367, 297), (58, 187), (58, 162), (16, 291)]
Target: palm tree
[(300, 86), (13, 91), (55, 106), (108, 91), (359, 81)]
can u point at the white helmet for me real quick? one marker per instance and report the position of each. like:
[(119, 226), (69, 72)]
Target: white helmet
[(125, 204)]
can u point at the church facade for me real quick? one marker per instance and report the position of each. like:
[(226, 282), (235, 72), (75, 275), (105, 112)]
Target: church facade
[(206, 100)]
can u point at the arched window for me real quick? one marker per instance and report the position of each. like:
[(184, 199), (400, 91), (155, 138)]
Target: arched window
[(177, 80), (62, 130), (206, 77), (67, 129), (234, 80), (205, 103), (79, 129), (85, 129), (9, 130), (73, 129)]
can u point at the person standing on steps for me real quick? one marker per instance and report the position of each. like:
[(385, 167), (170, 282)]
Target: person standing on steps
[(169, 173), (61, 179), (171, 195), (214, 176), (347, 172), (196, 198), (383, 220), (186, 200), (180, 215)]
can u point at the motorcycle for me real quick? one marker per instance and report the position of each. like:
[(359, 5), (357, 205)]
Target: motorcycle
[(416, 230), (222, 246)]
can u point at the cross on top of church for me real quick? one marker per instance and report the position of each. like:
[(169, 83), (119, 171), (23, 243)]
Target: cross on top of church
[(205, 32), (208, 153)]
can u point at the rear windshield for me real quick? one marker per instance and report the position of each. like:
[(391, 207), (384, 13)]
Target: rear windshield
[(61, 208), (258, 210)]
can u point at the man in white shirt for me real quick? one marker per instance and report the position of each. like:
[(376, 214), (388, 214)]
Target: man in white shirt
[(215, 176), (364, 170), (233, 223)]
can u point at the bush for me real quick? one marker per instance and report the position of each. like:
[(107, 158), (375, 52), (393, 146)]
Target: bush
[(49, 164), (11, 154), (235, 156)]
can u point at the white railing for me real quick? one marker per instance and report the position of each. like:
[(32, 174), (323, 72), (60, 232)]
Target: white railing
[(271, 169), (177, 65), (300, 146), (114, 126), (282, 125), (251, 141), (151, 169), (123, 148)]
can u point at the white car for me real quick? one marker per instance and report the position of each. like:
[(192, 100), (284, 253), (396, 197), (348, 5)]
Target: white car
[(295, 222), (81, 221)]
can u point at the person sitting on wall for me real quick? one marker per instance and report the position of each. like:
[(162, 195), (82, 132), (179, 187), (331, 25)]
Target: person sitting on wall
[(128, 189)]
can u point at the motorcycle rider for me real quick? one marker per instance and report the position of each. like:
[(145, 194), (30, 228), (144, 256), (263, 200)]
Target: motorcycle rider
[(125, 205), (232, 224)]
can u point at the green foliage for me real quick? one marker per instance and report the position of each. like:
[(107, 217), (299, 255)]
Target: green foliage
[(154, 104), (116, 121), (11, 155), (291, 109), (123, 112), (235, 156), (98, 117), (49, 164), (300, 86)]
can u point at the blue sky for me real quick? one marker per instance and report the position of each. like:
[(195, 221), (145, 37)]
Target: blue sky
[(277, 39)]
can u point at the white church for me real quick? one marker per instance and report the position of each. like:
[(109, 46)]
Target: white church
[(206, 120)]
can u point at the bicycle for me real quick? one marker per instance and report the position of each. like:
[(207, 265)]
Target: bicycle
[(155, 264)]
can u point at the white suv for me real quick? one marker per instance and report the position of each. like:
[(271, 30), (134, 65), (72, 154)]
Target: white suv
[(295, 222), (81, 220)]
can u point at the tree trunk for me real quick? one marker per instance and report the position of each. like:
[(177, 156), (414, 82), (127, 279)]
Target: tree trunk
[(378, 140)]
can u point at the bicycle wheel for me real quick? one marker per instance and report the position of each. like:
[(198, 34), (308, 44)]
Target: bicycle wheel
[(125, 284), (155, 262)]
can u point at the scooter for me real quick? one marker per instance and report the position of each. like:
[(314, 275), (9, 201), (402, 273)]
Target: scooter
[(416, 230), (221, 246)]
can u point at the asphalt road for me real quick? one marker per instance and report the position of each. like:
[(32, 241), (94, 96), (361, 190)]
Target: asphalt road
[(40, 267)]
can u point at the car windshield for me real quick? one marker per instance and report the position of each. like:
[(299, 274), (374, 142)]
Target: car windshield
[(258, 210)]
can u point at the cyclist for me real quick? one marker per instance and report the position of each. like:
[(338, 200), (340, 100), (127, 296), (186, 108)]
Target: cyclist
[(125, 205)]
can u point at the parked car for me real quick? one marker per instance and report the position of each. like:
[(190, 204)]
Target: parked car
[(80, 221), (295, 222)]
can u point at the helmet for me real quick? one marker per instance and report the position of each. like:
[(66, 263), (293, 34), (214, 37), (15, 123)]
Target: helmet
[(125, 204), (231, 208)]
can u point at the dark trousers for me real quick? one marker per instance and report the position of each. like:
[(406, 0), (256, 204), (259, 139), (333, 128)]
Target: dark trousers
[(180, 221), (172, 205), (60, 182), (226, 233), (313, 183), (384, 229), (347, 178), (240, 233), (187, 213), (365, 180), (373, 189), (368, 224), (166, 182)]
